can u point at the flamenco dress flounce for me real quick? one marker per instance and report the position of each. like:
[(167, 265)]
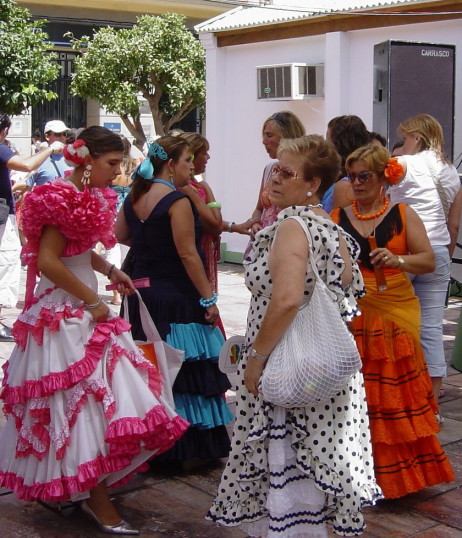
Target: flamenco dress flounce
[(82, 403)]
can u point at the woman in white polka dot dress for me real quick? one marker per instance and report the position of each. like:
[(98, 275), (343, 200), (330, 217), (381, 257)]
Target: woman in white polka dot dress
[(293, 471)]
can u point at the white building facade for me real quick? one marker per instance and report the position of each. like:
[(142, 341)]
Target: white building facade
[(234, 115)]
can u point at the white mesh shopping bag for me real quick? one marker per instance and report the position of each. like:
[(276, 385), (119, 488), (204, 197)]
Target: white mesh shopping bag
[(317, 354)]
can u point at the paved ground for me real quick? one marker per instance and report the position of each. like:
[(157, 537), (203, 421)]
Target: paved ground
[(166, 505)]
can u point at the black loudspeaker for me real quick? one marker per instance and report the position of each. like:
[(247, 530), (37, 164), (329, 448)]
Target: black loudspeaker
[(410, 79)]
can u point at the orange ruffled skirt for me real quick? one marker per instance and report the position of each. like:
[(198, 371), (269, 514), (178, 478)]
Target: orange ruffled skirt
[(401, 407)]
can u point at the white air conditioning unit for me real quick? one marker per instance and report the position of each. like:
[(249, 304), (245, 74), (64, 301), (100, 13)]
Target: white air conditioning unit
[(286, 82)]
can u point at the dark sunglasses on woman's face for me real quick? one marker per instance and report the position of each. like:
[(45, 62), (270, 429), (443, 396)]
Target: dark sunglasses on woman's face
[(362, 177)]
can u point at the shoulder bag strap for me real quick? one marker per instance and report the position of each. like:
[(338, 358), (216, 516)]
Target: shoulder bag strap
[(309, 239), (56, 167)]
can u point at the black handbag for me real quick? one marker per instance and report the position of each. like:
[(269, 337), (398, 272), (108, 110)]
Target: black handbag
[(4, 211)]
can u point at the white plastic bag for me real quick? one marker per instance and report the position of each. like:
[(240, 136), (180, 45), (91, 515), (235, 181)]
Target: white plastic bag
[(167, 358)]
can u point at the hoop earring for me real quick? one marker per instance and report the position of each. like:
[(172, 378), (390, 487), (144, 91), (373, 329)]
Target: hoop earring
[(86, 175), (382, 194)]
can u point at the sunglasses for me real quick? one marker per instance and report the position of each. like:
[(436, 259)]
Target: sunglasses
[(283, 172), (362, 177), (60, 134), (280, 117)]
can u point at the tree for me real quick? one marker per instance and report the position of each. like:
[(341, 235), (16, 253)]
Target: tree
[(158, 59), (26, 65)]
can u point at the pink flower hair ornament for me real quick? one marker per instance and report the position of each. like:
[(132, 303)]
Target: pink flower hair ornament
[(394, 171), (75, 153)]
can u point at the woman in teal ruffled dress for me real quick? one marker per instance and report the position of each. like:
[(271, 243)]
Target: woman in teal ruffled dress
[(164, 231)]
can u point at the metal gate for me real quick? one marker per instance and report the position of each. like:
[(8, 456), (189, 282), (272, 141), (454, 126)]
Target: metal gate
[(67, 108)]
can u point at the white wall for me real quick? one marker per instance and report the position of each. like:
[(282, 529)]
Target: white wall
[(234, 120), (234, 116)]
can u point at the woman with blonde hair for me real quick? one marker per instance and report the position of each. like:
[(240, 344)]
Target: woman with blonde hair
[(431, 186), (280, 125)]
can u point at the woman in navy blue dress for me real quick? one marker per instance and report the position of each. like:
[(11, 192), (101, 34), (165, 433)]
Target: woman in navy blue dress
[(163, 229)]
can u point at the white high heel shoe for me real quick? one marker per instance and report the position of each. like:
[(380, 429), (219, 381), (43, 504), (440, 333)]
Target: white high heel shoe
[(120, 528)]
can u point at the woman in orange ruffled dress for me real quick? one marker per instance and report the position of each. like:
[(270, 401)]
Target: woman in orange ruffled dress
[(401, 406), (84, 407)]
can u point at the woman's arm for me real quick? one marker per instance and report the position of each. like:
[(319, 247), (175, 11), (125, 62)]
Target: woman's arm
[(420, 259), (340, 198), (28, 164), (258, 211), (210, 216), (454, 221), (287, 265), (122, 231), (52, 244), (182, 222), (241, 228), (114, 274)]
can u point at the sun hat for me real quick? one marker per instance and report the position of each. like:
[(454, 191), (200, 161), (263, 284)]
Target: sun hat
[(56, 126)]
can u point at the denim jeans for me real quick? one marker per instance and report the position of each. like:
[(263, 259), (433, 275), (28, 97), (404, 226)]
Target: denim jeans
[(431, 290)]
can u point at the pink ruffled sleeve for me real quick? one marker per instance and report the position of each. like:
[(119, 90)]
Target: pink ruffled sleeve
[(84, 218)]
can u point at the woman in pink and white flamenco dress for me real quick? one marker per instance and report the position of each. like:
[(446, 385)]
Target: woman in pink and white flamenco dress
[(84, 407)]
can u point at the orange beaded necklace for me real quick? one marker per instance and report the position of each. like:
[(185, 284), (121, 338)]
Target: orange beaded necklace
[(380, 212)]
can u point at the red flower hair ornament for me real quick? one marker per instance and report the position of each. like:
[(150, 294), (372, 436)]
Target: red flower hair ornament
[(75, 153), (394, 171)]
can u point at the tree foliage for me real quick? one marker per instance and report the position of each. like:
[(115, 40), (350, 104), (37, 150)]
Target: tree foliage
[(26, 65), (158, 58)]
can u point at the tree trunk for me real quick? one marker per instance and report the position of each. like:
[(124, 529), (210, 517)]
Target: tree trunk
[(136, 130)]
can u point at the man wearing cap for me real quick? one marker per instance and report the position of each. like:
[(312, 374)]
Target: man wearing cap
[(10, 265), (55, 166)]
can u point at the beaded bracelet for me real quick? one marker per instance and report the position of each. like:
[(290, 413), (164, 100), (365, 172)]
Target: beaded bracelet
[(94, 305), (209, 302), (214, 205), (110, 270)]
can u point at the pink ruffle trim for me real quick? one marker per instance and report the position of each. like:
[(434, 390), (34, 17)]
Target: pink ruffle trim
[(138, 361), (84, 218), (50, 383), (47, 319), (87, 477), (157, 432)]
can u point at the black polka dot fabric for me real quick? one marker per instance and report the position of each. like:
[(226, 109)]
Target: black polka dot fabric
[(293, 471)]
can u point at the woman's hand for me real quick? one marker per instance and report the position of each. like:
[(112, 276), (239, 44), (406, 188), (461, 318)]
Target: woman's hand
[(244, 227), (188, 190), (252, 374), (211, 314), (255, 228), (124, 282), (100, 313), (382, 257)]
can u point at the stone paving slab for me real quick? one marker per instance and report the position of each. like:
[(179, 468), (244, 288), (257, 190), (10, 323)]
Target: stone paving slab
[(444, 508)]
